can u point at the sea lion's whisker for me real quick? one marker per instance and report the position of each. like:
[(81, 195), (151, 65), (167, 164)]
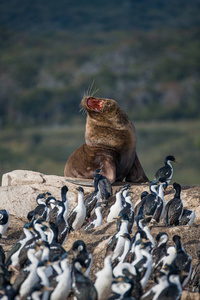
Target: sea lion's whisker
[(94, 92), (91, 90), (82, 110)]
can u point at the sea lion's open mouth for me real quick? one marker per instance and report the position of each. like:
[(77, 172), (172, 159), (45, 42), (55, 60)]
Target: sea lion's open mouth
[(95, 104)]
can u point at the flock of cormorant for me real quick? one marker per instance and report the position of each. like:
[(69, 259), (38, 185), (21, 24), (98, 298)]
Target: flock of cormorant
[(37, 266)]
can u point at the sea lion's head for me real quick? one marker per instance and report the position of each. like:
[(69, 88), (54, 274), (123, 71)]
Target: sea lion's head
[(104, 110), (99, 105)]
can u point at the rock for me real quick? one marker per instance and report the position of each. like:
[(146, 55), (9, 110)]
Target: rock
[(21, 177), (101, 247), (20, 188), (186, 295)]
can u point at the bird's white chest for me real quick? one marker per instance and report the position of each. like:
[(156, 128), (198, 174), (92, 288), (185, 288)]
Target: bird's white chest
[(80, 217)]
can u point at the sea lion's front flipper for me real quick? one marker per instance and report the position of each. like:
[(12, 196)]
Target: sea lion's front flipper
[(108, 169), (137, 173)]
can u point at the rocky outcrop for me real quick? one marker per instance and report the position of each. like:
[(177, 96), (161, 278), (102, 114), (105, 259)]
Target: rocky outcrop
[(20, 188)]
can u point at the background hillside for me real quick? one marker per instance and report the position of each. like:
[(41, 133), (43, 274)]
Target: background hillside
[(142, 53)]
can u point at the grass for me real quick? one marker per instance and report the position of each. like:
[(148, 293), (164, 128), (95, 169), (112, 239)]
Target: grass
[(156, 140), (46, 150)]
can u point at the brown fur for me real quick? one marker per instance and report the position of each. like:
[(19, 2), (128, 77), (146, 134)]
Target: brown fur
[(110, 144)]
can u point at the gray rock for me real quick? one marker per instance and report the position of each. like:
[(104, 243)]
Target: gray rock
[(20, 188)]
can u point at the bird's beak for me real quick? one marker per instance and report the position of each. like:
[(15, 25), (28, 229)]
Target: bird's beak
[(147, 182), (120, 278), (48, 288)]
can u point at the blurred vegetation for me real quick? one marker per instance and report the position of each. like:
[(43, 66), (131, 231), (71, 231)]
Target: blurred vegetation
[(142, 53), (46, 150)]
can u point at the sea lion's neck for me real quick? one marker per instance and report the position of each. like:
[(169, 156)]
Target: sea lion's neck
[(101, 133), (116, 121)]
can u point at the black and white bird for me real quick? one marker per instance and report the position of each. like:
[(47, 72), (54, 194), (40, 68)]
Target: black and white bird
[(52, 209), (91, 201), (82, 286), (138, 245), (63, 287), (188, 217), (127, 243), (161, 201), (44, 256), (125, 191), (168, 286), (167, 259), (144, 224), (42, 266), (77, 216), (117, 241), (149, 203), (4, 221), (165, 173), (174, 208), (27, 278), (160, 249), (137, 291), (55, 263), (55, 248), (102, 191), (139, 235), (121, 288), (139, 203), (103, 182), (130, 274), (104, 278), (12, 256), (128, 209), (155, 290), (132, 264), (182, 260), (147, 265), (116, 207), (142, 234), (41, 209), (62, 224), (39, 229), (99, 218), (41, 270), (119, 269), (80, 252), (64, 199)]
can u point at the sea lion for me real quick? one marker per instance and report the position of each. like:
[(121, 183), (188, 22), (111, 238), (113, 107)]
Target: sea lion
[(110, 144)]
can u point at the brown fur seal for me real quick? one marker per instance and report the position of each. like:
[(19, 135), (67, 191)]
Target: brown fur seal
[(110, 144)]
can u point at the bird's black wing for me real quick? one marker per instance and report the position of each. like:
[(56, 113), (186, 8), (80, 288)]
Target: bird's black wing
[(170, 292), (9, 254), (163, 172), (111, 244), (71, 218)]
